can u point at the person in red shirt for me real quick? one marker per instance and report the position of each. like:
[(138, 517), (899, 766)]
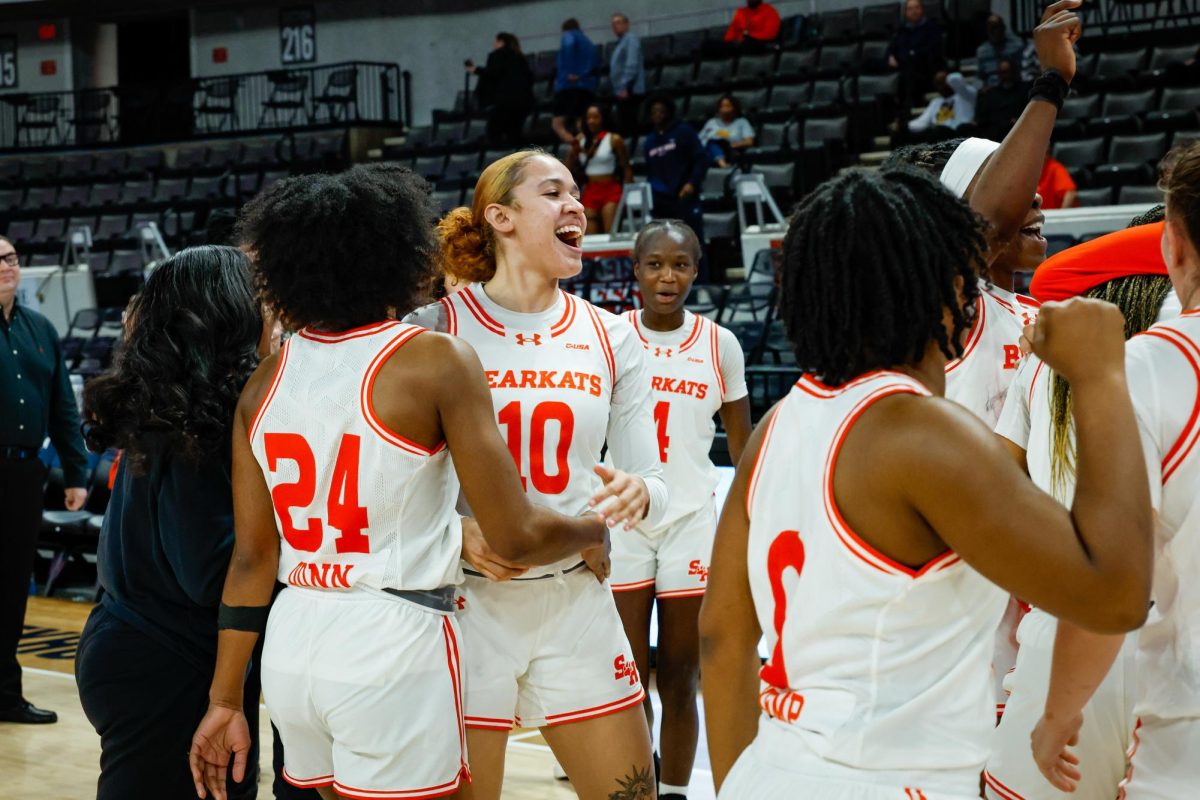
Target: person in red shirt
[(754, 26), (1056, 186)]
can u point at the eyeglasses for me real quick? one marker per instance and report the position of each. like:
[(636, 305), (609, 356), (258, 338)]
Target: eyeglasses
[(12, 259)]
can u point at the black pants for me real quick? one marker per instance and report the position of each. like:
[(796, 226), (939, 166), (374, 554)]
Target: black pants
[(627, 115), (505, 126), (145, 700), (22, 483)]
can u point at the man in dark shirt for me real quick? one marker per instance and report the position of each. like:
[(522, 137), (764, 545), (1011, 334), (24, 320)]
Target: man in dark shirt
[(675, 165), (999, 106), (35, 398), (916, 51)]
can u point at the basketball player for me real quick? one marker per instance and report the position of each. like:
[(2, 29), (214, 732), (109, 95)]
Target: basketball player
[(696, 371), (566, 377), (1164, 370), (344, 488), (1124, 268), (874, 529)]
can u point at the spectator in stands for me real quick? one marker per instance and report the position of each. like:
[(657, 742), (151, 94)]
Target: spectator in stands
[(576, 81), (1001, 45), (35, 398), (147, 653), (999, 106), (605, 161), (946, 114), (727, 133), (916, 51), (627, 72), (754, 28), (1056, 186), (675, 165), (505, 89)]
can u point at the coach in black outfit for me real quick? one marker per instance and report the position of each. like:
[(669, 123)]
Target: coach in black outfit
[(35, 397)]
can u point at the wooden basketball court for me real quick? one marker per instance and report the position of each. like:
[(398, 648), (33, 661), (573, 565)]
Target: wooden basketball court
[(61, 761)]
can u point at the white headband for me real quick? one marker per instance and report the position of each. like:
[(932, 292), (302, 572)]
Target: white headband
[(964, 164)]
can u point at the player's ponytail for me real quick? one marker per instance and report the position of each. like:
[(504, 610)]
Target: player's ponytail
[(467, 242)]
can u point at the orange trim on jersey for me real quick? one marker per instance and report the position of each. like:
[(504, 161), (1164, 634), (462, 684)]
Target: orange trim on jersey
[(476, 308), (440, 790), (454, 662), (694, 336), (568, 318), (367, 404), (758, 459), (629, 587), (597, 711), (716, 357), (1191, 431), (1129, 754), (266, 401), (605, 345), (306, 783), (809, 384), (632, 314), (1032, 302), (999, 788), (451, 316), (680, 593), (331, 337), (854, 543), (914, 794), (1191, 312), (1033, 381), (974, 337), (490, 723)]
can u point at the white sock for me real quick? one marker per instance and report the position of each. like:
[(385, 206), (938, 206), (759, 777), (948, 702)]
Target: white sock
[(664, 788)]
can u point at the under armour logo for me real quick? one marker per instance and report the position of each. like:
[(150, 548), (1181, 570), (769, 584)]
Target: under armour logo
[(534, 339), (460, 603), (659, 352)]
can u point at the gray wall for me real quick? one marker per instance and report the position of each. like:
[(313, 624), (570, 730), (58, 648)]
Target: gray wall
[(433, 47), (31, 52)]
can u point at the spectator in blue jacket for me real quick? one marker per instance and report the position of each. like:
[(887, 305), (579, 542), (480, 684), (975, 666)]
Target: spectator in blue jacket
[(1001, 45), (675, 164), (627, 71), (576, 81)]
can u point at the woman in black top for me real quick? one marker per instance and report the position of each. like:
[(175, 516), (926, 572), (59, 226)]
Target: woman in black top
[(505, 89), (145, 660)]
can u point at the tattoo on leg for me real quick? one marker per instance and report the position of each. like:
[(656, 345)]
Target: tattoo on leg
[(638, 786)]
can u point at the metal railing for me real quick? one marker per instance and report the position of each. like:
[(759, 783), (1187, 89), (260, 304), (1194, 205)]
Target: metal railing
[(1113, 16), (347, 93)]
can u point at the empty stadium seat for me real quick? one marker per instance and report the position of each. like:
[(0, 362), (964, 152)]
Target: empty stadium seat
[(105, 194), (1119, 112), (796, 65), (49, 230), (784, 100), (756, 67), (20, 230), (133, 192), (880, 21), (1143, 149), (1102, 196), (1129, 195), (839, 26), (169, 189), (1115, 69), (111, 226), (1081, 154), (714, 73), (1177, 108), (821, 131), (676, 76), (837, 59), (41, 196), (73, 196)]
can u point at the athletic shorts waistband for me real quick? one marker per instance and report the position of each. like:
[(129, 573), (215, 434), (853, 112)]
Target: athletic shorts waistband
[(567, 571)]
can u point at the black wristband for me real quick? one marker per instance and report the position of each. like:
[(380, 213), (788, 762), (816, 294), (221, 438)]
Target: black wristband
[(1050, 86), (251, 619)]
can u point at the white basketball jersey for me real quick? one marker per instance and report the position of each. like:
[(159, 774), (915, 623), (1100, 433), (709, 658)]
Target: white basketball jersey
[(1163, 367), (874, 665), (979, 380), (693, 371), (356, 504), (563, 381)]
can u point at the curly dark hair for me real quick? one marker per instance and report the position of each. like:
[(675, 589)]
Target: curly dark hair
[(190, 345), (930, 157), (335, 252), (870, 266)]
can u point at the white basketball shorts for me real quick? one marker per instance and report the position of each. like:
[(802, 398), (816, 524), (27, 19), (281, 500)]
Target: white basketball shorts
[(366, 692), (674, 559), (1165, 760), (547, 651), (1107, 721)]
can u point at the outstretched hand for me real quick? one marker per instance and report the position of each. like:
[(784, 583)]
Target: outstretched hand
[(627, 498), (1051, 742), (1054, 39), (222, 732)]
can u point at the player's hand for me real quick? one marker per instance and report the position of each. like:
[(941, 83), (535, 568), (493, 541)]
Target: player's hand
[(74, 498), (1051, 741), (1081, 339), (627, 498), (599, 560), (222, 731), (1026, 343), (1055, 38), (687, 191), (479, 554)]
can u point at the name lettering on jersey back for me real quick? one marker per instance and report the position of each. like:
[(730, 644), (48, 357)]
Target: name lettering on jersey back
[(679, 386), (696, 568), (781, 704), (625, 670), (1012, 356), (320, 576), (544, 379)]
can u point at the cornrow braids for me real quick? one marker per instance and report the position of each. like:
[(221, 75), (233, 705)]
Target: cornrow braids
[(657, 227), (871, 263), (1140, 298), (928, 157), (1156, 214)]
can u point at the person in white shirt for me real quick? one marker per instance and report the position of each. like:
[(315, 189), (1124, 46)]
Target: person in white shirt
[(727, 133), (952, 109)]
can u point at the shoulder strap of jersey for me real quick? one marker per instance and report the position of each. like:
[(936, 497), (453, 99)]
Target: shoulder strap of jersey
[(602, 338), (275, 380), (366, 394), (973, 337), (714, 342), (1188, 437)]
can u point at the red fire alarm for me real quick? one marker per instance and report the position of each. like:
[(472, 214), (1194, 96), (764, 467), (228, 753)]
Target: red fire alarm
[(50, 67), (220, 55), (48, 31)]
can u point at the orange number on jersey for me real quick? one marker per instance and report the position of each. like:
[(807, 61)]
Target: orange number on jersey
[(342, 509), (786, 551), (543, 413), (661, 411)]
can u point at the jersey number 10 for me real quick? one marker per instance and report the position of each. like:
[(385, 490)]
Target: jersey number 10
[(342, 510), (543, 413)]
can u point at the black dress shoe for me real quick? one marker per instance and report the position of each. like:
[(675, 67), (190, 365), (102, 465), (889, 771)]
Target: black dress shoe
[(28, 714)]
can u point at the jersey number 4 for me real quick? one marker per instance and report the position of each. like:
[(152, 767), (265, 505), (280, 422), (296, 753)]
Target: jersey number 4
[(342, 510), (541, 416)]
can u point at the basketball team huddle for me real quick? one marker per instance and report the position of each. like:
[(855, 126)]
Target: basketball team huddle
[(970, 505)]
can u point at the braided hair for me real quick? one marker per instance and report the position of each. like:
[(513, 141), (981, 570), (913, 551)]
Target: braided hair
[(931, 157), (872, 263)]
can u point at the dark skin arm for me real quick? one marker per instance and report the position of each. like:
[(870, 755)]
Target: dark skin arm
[(729, 629), (735, 418)]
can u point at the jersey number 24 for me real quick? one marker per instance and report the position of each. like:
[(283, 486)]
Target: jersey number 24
[(342, 511)]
